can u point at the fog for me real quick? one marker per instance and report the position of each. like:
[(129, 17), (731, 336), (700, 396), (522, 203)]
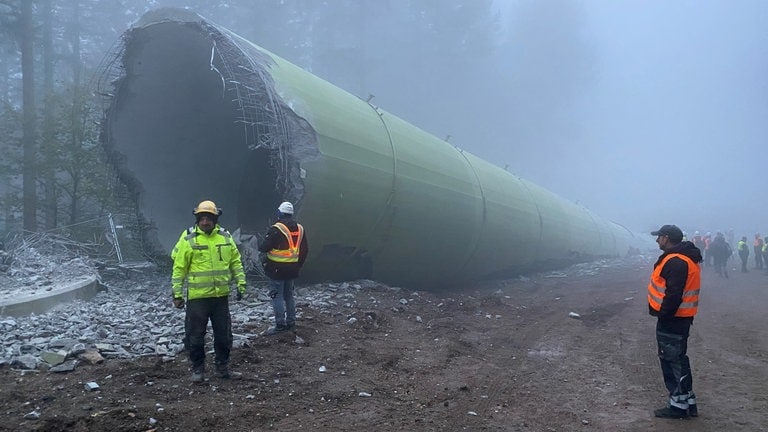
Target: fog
[(667, 123), (644, 112)]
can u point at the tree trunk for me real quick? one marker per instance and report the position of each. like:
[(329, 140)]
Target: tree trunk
[(29, 171), (49, 128), (78, 113)]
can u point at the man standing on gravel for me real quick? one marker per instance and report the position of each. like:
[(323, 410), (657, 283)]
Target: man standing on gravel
[(207, 258), (285, 250), (673, 297)]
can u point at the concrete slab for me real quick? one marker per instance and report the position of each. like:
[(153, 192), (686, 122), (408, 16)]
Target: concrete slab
[(83, 287)]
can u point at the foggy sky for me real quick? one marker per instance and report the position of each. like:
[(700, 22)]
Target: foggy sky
[(646, 112), (672, 126)]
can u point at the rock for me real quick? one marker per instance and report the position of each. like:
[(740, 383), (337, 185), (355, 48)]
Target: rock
[(77, 349), (67, 366), (91, 356), (54, 358), (26, 361)]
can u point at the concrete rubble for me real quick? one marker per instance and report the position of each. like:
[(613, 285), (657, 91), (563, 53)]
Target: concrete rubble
[(132, 317), (128, 324)]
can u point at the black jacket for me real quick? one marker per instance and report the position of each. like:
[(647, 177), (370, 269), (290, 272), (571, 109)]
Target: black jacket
[(719, 249), (675, 273), (275, 239)]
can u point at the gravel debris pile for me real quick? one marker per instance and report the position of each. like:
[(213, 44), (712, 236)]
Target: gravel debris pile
[(133, 316)]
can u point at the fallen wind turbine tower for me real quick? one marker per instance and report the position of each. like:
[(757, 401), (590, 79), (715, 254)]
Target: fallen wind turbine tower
[(197, 112)]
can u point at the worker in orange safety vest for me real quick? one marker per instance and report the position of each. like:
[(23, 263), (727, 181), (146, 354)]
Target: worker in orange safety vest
[(673, 298), (757, 246), (284, 250)]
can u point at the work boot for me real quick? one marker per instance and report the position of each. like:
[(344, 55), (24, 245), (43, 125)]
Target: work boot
[(693, 411), (223, 372), (671, 412), (275, 330), (198, 376)]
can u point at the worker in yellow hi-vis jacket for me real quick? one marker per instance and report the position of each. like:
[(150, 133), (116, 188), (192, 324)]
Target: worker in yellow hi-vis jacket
[(207, 261)]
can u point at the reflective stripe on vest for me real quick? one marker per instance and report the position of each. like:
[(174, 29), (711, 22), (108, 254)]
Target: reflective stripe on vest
[(207, 264), (658, 286), (290, 255)]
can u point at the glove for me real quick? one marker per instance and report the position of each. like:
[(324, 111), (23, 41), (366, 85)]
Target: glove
[(178, 303), (239, 296)]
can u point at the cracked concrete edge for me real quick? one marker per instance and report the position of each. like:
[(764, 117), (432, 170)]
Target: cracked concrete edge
[(85, 287)]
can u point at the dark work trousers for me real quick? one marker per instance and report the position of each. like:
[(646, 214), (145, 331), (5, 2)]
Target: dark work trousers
[(199, 311), (765, 259), (743, 257), (672, 341), (758, 257), (721, 266)]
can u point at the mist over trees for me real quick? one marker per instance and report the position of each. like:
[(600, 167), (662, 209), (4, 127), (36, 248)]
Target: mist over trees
[(528, 85), (53, 172)]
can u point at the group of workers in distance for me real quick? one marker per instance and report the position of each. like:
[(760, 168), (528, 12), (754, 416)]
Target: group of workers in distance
[(716, 251), (207, 262)]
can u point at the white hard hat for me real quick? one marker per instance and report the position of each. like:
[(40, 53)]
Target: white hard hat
[(285, 208)]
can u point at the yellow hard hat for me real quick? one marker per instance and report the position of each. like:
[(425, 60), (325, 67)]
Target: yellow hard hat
[(207, 206)]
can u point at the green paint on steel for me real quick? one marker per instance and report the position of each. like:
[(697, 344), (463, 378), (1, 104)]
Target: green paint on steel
[(380, 198)]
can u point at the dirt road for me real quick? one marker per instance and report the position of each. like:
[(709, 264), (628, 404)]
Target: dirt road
[(507, 356)]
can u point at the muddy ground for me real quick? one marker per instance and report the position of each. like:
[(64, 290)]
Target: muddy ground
[(504, 356)]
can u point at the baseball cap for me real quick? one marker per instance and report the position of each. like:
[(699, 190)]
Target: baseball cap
[(673, 232)]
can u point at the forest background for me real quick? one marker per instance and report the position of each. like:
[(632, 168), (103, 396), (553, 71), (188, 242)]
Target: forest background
[(588, 99), (53, 173)]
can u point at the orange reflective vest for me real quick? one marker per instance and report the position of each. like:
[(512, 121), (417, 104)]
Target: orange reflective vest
[(290, 255), (658, 286)]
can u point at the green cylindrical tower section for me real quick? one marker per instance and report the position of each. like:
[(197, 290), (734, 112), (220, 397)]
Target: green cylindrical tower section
[(379, 197), (426, 213)]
